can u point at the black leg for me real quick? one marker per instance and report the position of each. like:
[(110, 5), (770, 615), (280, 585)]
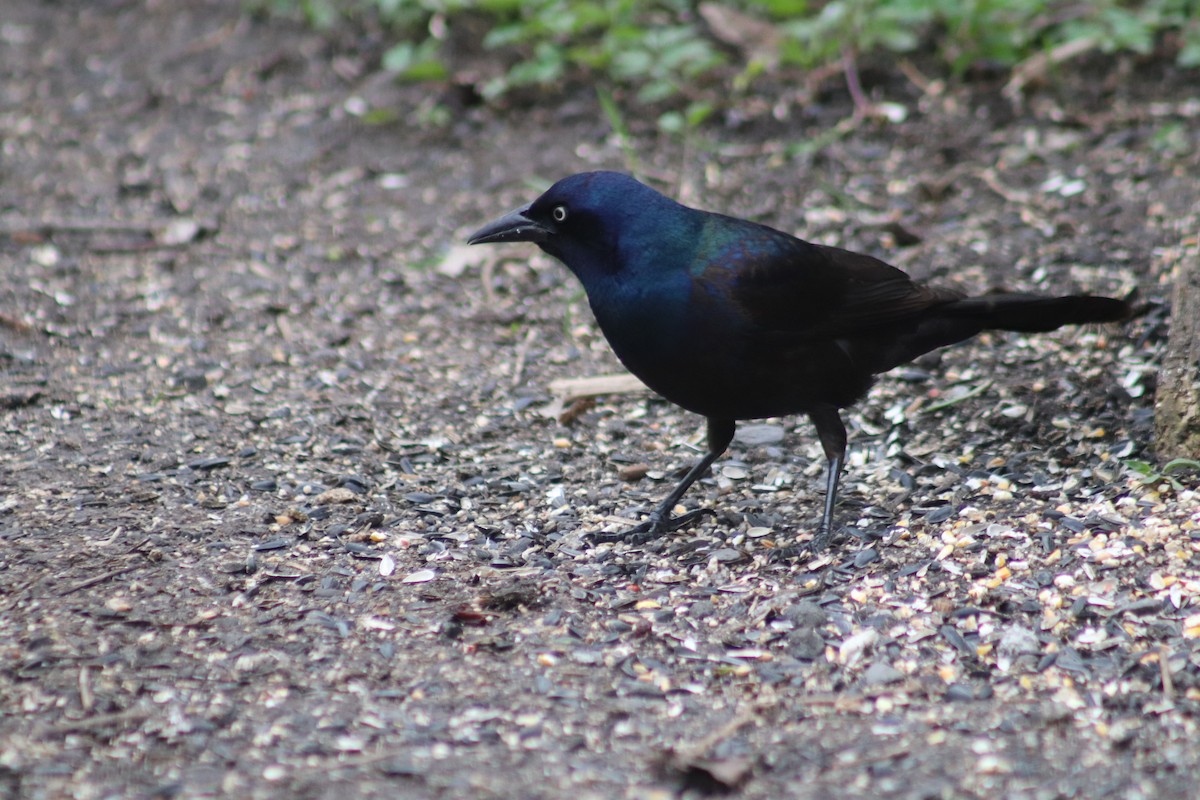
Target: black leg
[(720, 434), (832, 434)]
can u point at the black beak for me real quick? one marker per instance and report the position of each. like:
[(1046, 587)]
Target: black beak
[(513, 227)]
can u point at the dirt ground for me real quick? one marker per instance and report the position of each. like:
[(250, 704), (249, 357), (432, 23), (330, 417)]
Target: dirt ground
[(286, 509)]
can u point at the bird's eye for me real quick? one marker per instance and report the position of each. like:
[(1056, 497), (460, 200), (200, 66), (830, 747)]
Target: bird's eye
[(559, 213)]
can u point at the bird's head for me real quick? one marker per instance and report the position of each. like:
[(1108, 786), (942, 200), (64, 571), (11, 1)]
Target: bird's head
[(589, 221)]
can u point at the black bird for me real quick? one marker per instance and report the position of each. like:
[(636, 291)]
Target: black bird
[(736, 320)]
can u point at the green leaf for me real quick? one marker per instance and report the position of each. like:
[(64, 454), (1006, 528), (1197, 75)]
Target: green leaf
[(1189, 54), (1143, 468), (398, 57), (671, 122), (429, 70), (380, 116), (698, 112), (1171, 137), (506, 36), (416, 62), (632, 64), (656, 91), (779, 9)]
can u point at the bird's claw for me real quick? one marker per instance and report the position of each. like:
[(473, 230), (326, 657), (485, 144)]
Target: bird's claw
[(651, 527), (671, 524), (793, 552), (821, 539)]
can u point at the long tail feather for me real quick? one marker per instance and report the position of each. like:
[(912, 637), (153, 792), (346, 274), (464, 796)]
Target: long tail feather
[(1031, 313)]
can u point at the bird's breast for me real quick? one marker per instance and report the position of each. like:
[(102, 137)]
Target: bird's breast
[(645, 323), (672, 340)]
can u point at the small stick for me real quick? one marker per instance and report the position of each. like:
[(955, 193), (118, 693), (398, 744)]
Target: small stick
[(973, 392), (573, 388), (17, 324), (1164, 668), (129, 715), (99, 579), (522, 355), (86, 701), (700, 748), (862, 106), (78, 226), (1035, 67)]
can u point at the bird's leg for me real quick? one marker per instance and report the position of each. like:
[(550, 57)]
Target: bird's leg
[(833, 474), (720, 434), (832, 433)]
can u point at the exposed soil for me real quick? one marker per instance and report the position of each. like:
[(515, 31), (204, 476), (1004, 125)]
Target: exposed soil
[(286, 511)]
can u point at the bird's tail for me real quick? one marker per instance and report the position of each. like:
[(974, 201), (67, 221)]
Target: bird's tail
[(1035, 313), (961, 319)]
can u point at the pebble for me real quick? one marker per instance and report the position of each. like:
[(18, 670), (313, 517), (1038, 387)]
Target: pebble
[(881, 673), (939, 515), (864, 557), (806, 614), (759, 434), (959, 692), (1019, 646), (805, 644), (339, 495), (632, 472)]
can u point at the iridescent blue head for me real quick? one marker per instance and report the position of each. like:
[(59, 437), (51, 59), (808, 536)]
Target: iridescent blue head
[(598, 224)]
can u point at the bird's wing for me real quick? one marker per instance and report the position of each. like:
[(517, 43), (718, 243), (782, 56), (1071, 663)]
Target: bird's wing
[(784, 285), (877, 294)]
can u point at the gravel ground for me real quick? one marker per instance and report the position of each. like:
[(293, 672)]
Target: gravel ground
[(293, 500)]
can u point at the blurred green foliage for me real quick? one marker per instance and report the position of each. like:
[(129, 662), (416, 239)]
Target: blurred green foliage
[(661, 49)]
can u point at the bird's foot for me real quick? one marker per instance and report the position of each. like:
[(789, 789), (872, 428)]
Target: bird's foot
[(791, 552), (650, 528), (821, 540), (812, 549)]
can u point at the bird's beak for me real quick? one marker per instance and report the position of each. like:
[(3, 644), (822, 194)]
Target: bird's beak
[(512, 227)]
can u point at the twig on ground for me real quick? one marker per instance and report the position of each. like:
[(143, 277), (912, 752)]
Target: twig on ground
[(1035, 67), (99, 579)]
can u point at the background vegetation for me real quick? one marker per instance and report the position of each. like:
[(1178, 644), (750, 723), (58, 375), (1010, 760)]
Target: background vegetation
[(691, 53)]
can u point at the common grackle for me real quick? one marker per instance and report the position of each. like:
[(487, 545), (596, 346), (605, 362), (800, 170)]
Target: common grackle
[(735, 320)]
